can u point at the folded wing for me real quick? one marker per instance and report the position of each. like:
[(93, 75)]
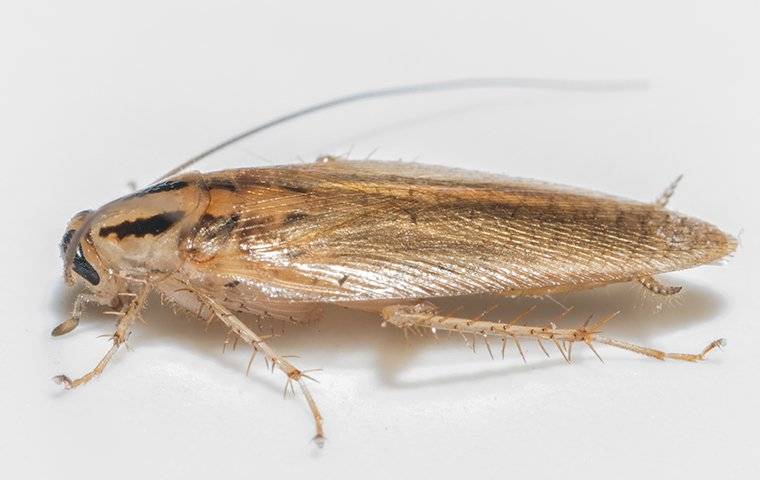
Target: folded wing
[(353, 231)]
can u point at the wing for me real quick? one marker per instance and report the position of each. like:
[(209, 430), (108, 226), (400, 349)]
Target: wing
[(342, 231)]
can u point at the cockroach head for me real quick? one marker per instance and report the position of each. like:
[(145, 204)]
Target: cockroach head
[(74, 260), (133, 235)]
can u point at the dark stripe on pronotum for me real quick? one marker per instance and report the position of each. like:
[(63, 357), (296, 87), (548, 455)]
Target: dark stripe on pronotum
[(143, 226), (166, 186)]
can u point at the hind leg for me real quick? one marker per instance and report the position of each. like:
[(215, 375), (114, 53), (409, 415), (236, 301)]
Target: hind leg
[(422, 316)]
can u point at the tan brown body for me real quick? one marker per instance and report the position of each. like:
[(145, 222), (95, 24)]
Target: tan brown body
[(352, 231), (283, 241)]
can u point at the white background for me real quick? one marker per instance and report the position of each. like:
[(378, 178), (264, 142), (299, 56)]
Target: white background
[(96, 94)]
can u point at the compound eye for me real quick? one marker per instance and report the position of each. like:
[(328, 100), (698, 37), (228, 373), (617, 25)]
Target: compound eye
[(81, 266)]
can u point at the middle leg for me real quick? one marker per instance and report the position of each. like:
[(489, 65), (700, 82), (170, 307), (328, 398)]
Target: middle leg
[(259, 345)]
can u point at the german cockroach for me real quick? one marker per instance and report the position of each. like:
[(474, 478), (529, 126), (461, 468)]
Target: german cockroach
[(282, 242)]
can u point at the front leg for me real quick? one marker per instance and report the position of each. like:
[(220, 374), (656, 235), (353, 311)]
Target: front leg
[(128, 315), (258, 344), (73, 321)]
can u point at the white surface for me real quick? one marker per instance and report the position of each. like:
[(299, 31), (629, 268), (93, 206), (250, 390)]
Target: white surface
[(95, 94)]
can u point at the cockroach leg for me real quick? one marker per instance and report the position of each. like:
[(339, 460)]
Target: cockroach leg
[(129, 314), (76, 313), (664, 198), (73, 321), (408, 316), (656, 287), (658, 354), (277, 360)]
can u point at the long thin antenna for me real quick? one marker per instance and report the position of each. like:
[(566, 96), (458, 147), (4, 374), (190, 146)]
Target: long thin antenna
[(460, 84)]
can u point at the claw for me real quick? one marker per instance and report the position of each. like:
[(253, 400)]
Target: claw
[(319, 440), (719, 343), (63, 380)]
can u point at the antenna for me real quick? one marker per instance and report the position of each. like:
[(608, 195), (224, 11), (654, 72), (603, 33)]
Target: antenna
[(459, 84)]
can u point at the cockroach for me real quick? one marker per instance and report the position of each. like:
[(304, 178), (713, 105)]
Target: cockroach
[(389, 237)]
